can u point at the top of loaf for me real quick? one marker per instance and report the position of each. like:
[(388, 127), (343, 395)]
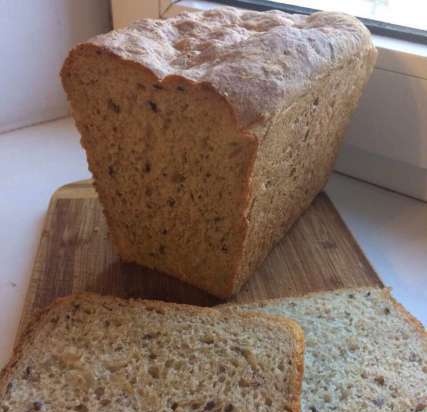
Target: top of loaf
[(259, 61)]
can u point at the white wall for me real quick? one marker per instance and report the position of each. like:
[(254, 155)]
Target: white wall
[(35, 36)]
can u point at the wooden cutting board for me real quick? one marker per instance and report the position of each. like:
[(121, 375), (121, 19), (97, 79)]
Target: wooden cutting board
[(75, 254)]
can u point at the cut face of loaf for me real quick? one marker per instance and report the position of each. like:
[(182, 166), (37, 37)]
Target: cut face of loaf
[(364, 352), (209, 133), (93, 353)]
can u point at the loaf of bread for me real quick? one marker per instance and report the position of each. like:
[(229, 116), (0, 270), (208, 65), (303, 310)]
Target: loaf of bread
[(364, 352), (209, 133), (90, 353)]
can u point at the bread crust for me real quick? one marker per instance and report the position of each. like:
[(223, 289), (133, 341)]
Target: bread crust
[(190, 45), (405, 314), (269, 302), (26, 337), (275, 321)]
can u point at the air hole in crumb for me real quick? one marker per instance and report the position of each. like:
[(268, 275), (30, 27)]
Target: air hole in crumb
[(174, 406), (168, 363), (27, 373), (331, 48), (171, 202), (380, 380), (113, 106), (111, 170), (178, 178), (316, 101), (99, 391), (379, 402), (229, 408), (37, 406), (147, 167), (207, 339), (164, 231), (157, 86), (154, 372), (209, 406), (153, 106)]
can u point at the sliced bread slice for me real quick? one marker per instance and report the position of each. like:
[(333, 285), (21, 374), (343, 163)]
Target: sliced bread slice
[(364, 352), (93, 353)]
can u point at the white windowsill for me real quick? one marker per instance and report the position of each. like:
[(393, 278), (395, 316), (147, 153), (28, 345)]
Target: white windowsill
[(391, 228)]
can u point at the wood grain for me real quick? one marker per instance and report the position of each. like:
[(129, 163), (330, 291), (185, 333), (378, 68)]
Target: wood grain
[(75, 254)]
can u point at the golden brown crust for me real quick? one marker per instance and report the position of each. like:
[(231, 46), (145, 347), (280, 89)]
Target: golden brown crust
[(298, 333), (405, 314), (255, 60), (273, 301), (28, 335)]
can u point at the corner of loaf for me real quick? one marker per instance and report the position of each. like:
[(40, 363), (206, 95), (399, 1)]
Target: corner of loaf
[(208, 134)]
